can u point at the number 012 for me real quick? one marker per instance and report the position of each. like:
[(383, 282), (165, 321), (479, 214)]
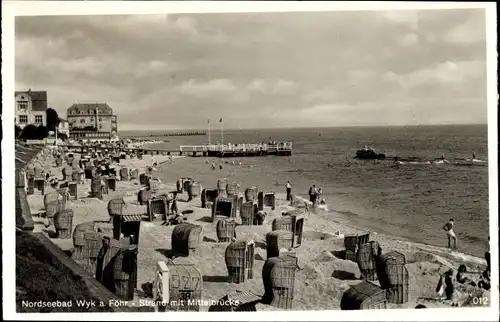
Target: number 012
[(480, 301)]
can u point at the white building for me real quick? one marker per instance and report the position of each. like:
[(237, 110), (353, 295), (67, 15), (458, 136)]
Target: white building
[(63, 127), (31, 108), (92, 121)]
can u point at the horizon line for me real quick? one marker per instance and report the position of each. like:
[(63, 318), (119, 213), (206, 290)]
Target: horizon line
[(303, 127)]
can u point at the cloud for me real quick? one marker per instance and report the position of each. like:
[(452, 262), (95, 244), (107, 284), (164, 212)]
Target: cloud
[(410, 40), (202, 89), (445, 73), (259, 68), (467, 33), (281, 86), (407, 18), (187, 24)]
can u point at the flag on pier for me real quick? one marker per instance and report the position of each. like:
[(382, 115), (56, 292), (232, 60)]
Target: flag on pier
[(208, 121), (220, 120)]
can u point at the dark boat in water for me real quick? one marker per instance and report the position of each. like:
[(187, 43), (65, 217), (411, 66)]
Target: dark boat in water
[(369, 154)]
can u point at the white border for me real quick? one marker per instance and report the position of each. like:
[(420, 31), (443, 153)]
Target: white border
[(10, 9)]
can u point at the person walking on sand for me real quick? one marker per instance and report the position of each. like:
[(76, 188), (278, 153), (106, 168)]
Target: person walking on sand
[(288, 191), (450, 233)]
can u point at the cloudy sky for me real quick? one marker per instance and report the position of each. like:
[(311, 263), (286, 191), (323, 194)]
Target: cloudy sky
[(262, 69)]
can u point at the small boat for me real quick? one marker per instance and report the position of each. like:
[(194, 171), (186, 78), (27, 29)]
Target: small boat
[(369, 154)]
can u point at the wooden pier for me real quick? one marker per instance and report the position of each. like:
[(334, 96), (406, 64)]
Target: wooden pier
[(238, 150), (219, 151)]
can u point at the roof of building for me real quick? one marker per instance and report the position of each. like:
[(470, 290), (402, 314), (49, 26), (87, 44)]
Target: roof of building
[(89, 109), (62, 120), (38, 99)]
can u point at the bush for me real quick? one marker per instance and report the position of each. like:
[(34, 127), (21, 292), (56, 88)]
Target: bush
[(32, 132)]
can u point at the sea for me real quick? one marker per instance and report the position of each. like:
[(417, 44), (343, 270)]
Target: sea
[(411, 200)]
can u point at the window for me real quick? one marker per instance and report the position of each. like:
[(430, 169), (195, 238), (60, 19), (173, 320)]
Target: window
[(22, 105), (82, 121), (100, 119), (38, 119), (100, 126), (23, 119)]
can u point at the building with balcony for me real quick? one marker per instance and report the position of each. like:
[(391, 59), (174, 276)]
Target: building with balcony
[(92, 122), (31, 108)]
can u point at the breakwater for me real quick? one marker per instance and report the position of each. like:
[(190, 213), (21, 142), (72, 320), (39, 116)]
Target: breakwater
[(186, 133)]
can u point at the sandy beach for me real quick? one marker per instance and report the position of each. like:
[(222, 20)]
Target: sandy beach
[(322, 276)]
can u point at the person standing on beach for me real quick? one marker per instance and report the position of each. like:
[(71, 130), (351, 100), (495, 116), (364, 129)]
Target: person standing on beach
[(450, 233), (314, 195), (310, 194), (288, 191)]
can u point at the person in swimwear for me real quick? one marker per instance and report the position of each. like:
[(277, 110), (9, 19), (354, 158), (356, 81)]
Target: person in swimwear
[(450, 233)]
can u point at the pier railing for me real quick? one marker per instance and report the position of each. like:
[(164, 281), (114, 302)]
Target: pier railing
[(285, 146)]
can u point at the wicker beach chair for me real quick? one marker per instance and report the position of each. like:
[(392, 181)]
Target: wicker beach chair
[(224, 207), (73, 190), (78, 254), (251, 194), (63, 223), (232, 189), (367, 257), (125, 272), (266, 199), (190, 288), (363, 296), (277, 240), (208, 196), (124, 174), (278, 276), (248, 213), (115, 207), (393, 276), (239, 258), (186, 238), (292, 223), (352, 242), (221, 187), (93, 243), (194, 190), (127, 226), (226, 230), (157, 207)]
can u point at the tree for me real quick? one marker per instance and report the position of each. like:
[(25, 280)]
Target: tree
[(18, 131), (41, 132), (52, 119)]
